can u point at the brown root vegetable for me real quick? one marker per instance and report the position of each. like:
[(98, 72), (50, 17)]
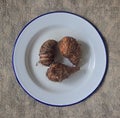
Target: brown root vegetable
[(58, 72), (48, 52), (70, 49)]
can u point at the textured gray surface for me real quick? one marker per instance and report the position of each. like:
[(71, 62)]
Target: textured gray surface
[(15, 103)]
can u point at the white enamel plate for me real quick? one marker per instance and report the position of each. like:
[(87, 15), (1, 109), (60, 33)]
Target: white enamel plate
[(32, 78)]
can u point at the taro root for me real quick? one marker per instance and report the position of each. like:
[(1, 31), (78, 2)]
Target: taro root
[(58, 72), (70, 49), (48, 52)]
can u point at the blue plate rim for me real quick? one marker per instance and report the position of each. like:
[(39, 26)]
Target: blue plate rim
[(105, 46)]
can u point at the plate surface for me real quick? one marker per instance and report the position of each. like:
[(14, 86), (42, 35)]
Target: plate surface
[(32, 78)]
